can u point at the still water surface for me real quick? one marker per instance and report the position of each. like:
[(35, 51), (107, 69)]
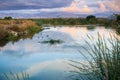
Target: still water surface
[(45, 61)]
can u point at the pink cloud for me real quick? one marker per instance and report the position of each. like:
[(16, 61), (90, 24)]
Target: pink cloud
[(113, 5), (86, 9), (74, 7), (102, 6)]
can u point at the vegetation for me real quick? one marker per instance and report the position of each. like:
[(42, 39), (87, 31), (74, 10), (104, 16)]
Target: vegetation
[(14, 76), (103, 62), (8, 17), (91, 19), (77, 21), (51, 41), (60, 21), (118, 20), (14, 29)]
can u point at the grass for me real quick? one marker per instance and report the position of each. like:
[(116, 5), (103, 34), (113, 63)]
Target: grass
[(76, 21), (15, 29), (15, 76), (103, 61), (17, 25), (52, 41)]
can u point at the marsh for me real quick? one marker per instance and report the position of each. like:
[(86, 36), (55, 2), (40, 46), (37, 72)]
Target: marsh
[(46, 61)]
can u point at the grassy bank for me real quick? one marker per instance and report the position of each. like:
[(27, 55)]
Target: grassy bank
[(76, 21), (14, 29)]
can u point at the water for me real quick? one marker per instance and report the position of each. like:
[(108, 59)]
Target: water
[(45, 61)]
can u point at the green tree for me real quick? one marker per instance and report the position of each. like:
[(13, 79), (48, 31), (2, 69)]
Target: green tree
[(118, 19), (91, 19), (8, 17)]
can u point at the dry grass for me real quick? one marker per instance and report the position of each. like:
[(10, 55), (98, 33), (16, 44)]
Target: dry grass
[(3, 31), (13, 29), (17, 25)]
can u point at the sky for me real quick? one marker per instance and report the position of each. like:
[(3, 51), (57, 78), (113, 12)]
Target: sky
[(58, 8)]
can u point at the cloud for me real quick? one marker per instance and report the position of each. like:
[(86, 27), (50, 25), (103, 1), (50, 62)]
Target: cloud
[(32, 4), (86, 9), (113, 5), (102, 6), (60, 65), (72, 8), (55, 8)]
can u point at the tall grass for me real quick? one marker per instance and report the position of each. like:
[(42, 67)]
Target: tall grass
[(17, 25), (15, 76), (15, 29), (103, 62)]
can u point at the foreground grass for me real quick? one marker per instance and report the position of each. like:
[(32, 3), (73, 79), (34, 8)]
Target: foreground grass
[(103, 62), (14, 76)]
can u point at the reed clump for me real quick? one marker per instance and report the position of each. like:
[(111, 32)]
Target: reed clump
[(14, 76), (103, 60)]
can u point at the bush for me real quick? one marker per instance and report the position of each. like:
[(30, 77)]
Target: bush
[(12, 30), (118, 20), (52, 41), (33, 29), (3, 32), (91, 19), (8, 18), (15, 28)]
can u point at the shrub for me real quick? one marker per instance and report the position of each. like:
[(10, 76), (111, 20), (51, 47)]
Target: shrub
[(118, 20), (12, 30), (3, 32), (91, 19), (33, 29), (8, 17), (15, 27), (52, 41)]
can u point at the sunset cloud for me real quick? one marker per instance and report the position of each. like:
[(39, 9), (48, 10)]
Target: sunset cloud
[(102, 6), (113, 5), (32, 4), (86, 9), (72, 8), (55, 8)]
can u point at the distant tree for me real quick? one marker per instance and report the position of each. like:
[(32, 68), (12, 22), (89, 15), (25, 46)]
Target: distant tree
[(112, 17), (91, 19), (118, 17), (8, 17), (118, 20)]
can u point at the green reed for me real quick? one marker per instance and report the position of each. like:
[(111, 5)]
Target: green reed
[(15, 76), (103, 62)]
